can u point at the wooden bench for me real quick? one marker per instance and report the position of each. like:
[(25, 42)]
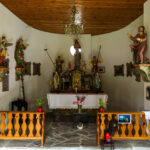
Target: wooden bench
[(22, 125)]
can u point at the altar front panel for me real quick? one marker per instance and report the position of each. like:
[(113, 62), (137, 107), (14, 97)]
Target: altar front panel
[(65, 101)]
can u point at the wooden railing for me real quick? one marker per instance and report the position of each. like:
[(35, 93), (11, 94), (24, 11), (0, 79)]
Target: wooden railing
[(22, 125), (139, 129)]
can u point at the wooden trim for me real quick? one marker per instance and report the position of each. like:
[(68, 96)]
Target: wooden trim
[(4, 69)]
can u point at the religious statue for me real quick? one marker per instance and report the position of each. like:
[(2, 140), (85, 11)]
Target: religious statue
[(69, 66), (56, 81), (19, 53), (3, 51), (76, 79), (94, 63), (83, 66), (70, 80), (139, 45), (59, 63), (77, 55), (97, 82)]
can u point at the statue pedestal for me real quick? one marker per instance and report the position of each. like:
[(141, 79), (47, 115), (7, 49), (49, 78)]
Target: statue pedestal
[(143, 70)]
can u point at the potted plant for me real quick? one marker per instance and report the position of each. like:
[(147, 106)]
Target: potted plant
[(101, 105), (39, 105)]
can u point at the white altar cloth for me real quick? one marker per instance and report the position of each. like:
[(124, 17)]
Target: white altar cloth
[(65, 101)]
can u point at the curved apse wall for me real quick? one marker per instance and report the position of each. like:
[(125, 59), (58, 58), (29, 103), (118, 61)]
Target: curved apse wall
[(124, 93)]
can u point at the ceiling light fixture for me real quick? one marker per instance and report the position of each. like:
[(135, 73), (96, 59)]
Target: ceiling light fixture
[(76, 26)]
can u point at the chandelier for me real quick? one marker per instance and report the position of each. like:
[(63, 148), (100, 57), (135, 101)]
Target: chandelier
[(75, 27)]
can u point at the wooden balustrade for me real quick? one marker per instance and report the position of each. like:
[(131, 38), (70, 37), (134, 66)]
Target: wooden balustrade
[(22, 125), (139, 129)]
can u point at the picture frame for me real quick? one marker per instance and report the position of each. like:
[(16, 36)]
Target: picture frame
[(119, 70), (5, 84), (124, 118), (36, 69), (129, 67), (101, 69), (147, 93), (27, 68)]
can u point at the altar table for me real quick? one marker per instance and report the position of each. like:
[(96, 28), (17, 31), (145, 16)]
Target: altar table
[(65, 101)]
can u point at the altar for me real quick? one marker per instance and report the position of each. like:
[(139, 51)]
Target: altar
[(65, 101)]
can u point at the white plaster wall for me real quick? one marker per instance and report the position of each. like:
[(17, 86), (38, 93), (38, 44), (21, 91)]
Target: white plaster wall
[(12, 28), (147, 26), (35, 86), (124, 92)]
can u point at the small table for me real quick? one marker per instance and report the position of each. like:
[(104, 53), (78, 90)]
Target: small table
[(80, 117), (19, 104), (107, 144)]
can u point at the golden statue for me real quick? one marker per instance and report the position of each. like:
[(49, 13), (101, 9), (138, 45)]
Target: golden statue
[(94, 63)]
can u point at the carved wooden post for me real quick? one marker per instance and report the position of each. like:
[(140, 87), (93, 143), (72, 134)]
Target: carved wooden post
[(31, 126), (116, 133), (102, 126), (143, 126), (2, 124), (136, 125), (17, 125), (148, 126), (38, 125), (10, 126), (130, 127), (98, 139), (123, 130), (43, 132), (24, 125)]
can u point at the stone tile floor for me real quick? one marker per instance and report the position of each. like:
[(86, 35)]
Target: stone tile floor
[(61, 135)]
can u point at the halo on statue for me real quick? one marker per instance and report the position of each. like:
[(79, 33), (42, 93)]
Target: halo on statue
[(73, 51)]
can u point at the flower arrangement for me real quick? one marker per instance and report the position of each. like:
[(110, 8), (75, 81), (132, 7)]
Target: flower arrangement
[(79, 102)]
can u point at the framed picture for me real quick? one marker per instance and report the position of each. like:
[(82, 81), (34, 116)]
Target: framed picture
[(5, 83), (129, 69), (101, 69), (119, 70), (148, 92), (124, 119), (36, 69), (27, 68)]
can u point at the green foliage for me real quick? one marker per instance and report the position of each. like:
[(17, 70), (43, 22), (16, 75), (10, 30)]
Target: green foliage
[(101, 103), (39, 102)]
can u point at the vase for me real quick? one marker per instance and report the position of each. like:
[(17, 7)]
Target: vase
[(79, 108), (40, 109)]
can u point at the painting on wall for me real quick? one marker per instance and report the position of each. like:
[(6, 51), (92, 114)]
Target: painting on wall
[(129, 67), (27, 68), (101, 69), (36, 69), (148, 92), (119, 70), (5, 84)]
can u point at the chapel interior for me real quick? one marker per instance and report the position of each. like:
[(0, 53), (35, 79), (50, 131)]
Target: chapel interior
[(75, 74)]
